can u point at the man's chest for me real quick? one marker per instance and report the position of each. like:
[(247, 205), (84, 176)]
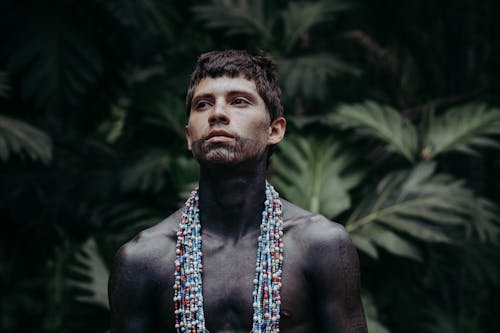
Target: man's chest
[(228, 274)]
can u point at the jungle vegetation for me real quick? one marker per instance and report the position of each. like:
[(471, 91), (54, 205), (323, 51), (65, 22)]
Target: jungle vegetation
[(393, 131)]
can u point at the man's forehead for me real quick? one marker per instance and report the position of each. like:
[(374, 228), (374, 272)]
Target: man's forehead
[(224, 84)]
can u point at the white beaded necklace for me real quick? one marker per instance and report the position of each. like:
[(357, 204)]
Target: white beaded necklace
[(188, 295)]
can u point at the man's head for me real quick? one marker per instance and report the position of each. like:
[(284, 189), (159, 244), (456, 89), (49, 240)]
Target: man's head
[(234, 63), (234, 108)]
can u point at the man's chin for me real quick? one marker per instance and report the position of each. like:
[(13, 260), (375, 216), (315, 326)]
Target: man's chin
[(223, 154), (218, 159)]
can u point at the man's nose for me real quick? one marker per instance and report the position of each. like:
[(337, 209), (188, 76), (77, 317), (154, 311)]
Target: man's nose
[(219, 114)]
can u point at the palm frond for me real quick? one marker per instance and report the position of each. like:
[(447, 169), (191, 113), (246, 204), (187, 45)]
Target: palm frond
[(4, 84), (235, 17), (465, 129), (93, 275), (315, 175), (298, 18), (307, 75), (122, 222), (487, 221), (168, 114), (184, 175), (156, 168), (371, 314), (416, 204), (58, 62), (382, 122), (23, 139), (112, 128), (150, 15), (147, 173)]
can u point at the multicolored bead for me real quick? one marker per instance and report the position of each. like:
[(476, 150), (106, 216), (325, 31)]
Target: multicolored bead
[(188, 294)]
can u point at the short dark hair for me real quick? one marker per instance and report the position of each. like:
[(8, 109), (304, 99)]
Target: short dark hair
[(233, 63)]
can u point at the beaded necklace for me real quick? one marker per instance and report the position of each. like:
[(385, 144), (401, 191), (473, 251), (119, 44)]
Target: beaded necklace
[(188, 295)]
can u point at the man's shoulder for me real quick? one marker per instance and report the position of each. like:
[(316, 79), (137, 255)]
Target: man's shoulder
[(155, 241), (317, 237), (312, 227)]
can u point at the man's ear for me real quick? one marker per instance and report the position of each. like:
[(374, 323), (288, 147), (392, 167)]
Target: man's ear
[(188, 136), (276, 131)]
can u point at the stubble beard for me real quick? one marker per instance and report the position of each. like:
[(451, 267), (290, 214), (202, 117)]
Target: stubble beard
[(238, 150)]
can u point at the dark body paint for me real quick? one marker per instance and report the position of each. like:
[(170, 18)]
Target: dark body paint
[(320, 291)]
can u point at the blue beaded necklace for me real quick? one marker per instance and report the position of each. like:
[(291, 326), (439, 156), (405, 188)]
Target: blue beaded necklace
[(188, 294)]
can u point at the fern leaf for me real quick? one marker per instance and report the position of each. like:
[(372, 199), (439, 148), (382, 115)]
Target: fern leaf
[(57, 61), (25, 140), (464, 129), (311, 174), (487, 216), (235, 17), (382, 122), (307, 75), (418, 204), (93, 275), (365, 244), (298, 18), (150, 15), (391, 241), (147, 173), (372, 316)]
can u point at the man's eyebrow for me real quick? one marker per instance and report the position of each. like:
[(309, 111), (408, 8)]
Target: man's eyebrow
[(207, 95), (247, 93)]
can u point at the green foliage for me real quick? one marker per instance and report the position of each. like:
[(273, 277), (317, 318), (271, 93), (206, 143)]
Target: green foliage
[(300, 17), (58, 61), (147, 14), (307, 75), (372, 316), (93, 275), (303, 75), (113, 128), (146, 173), (236, 17), (464, 128), (382, 122), (419, 204), (20, 138), (316, 174), (154, 169), (106, 79), (4, 84), (442, 321)]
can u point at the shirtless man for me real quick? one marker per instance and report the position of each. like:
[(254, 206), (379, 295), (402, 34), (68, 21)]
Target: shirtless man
[(234, 118)]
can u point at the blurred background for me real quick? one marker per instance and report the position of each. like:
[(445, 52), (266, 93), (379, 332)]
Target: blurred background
[(394, 130)]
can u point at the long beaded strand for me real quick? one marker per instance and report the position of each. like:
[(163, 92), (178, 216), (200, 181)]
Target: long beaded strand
[(188, 294)]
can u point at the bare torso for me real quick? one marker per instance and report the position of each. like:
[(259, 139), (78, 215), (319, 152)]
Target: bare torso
[(141, 286)]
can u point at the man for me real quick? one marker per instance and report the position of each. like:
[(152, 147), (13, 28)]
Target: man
[(198, 270)]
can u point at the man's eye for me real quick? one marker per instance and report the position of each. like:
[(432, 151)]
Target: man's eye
[(239, 101), (201, 105)]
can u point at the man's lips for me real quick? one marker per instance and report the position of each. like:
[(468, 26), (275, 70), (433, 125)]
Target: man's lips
[(216, 135)]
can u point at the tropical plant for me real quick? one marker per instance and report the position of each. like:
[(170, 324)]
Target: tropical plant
[(316, 174), (414, 203), (283, 31), (4, 84), (23, 139), (92, 144)]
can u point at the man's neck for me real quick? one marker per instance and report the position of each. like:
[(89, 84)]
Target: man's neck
[(232, 199)]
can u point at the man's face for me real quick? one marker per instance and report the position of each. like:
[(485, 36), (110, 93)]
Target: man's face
[(229, 122)]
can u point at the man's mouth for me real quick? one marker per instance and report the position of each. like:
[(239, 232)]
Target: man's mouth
[(219, 135)]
